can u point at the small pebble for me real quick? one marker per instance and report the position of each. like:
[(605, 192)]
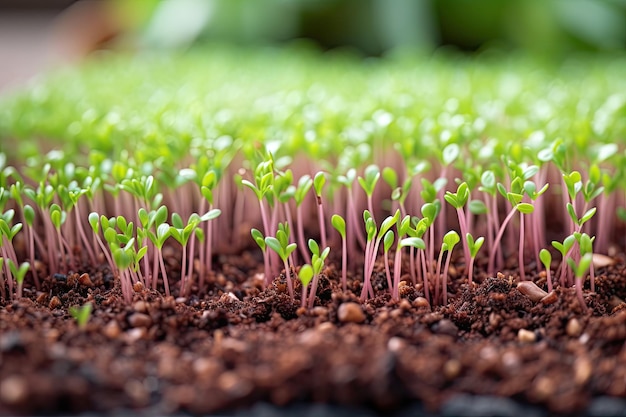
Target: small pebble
[(138, 287), (446, 326), (140, 307), (112, 330), (573, 328), (135, 334), (451, 369), (600, 261), (582, 370), (42, 298), (54, 303), (139, 320), (13, 390), (85, 281), (526, 336), (551, 298), (421, 302), (405, 305), (531, 290), (233, 385), (350, 313)]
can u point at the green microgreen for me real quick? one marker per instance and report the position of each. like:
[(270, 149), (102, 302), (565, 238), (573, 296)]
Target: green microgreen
[(81, 314)]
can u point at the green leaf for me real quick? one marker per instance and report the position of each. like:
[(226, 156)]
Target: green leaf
[(388, 240), (314, 247), (211, 214), (451, 239), (258, 238), (390, 177), (587, 216), (305, 274), (177, 221), (318, 183), (450, 153), (572, 213), (29, 215), (477, 207), (415, 242), (546, 258), (525, 208), (274, 244), (339, 224), (371, 176)]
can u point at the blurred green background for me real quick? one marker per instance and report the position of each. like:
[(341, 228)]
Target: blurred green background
[(552, 28)]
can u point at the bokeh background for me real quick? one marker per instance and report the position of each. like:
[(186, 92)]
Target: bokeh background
[(38, 34)]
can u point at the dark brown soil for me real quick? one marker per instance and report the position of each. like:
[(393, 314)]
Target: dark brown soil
[(239, 345)]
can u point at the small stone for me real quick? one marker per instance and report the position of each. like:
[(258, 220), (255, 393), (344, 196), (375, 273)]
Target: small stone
[(233, 385), (395, 344), (582, 370), (135, 334), (405, 305), (42, 298), (544, 388), (451, 369), (531, 290), (600, 261), (139, 320), (350, 313), (420, 302), (13, 390), (526, 336), (551, 298), (446, 326), (112, 330), (206, 368), (494, 319), (84, 280), (140, 307), (573, 328), (138, 287), (54, 303), (325, 327), (320, 311)]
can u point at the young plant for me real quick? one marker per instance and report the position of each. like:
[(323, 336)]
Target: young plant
[(81, 314), (546, 260), (340, 225), (305, 275), (368, 183), (403, 228), (318, 258), (371, 248), (564, 249), (19, 273), (280, 244), (473, 246), (458, 201), (450, 240), (579, 273), (318, 183), (260, 241)]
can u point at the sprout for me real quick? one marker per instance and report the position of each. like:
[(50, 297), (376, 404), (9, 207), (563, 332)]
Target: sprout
[(305, 275), (340, 225), (81, 314), (473, 246), (280, 244), (546, 260), (579, 271)]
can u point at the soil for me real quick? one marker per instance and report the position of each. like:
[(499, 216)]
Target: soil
[(239, 345)]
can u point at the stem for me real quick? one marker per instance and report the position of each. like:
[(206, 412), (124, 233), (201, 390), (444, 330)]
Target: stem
[(445, 278), (464, 231), (549, 279), (164, 273), (301, 244), (438, 276), (183, 269), (492, 256), (387, 272), (396, 273), (313, 290), (579, 292), (83, 236), (303, 302), (320, 216), (522, 272), (288, 276), (344, 264), (470, 272)]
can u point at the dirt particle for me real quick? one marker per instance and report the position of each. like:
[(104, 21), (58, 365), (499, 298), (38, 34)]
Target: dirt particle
[(84, 280), (233, 385), (526, 336), (451, 369), (582, 370), (139, 320), (42, 298), (405, 305), (531, 290), (54, 303), (13, 390), (112, 330), (133, 335), (551, 298), (573, 328), (138, 287), (350, 313), (544, 388), (140, 306), (421, 302), (446, 326)]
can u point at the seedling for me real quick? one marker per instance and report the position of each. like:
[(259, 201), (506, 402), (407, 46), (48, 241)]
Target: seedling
[(81, 314), (280, 244), (340, 225)]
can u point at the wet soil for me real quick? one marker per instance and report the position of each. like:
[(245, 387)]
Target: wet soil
[(238, 345)]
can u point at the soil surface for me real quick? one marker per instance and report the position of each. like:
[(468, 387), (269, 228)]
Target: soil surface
[(238, 345)]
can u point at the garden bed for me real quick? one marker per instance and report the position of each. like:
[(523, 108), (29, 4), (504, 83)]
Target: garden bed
[(135, 222)]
